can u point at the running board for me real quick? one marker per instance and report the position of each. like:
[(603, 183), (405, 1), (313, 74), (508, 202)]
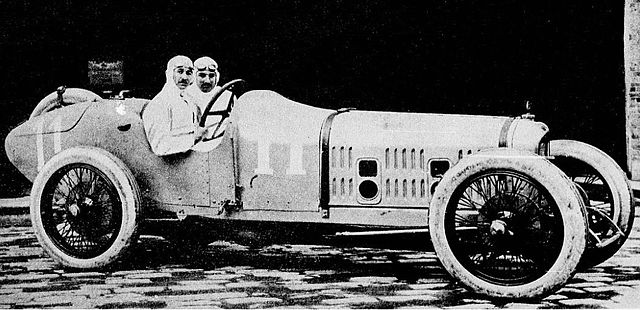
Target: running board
[(381, 232)]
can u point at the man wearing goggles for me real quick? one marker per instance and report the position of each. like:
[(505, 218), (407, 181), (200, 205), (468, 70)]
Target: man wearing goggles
[(207, 77), (206, 80)]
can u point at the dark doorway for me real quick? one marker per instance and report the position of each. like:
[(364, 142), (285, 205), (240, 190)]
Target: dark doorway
[(471, 57)]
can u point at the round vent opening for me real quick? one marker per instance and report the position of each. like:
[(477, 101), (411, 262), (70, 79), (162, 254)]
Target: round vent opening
[(368, 189)]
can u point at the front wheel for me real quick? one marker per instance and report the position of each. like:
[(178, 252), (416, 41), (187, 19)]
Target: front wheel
[(85, 208), (606, 192), (508, 224)]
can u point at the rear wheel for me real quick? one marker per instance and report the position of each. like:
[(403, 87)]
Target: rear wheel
[(607, 194), (85, 207), (508, 224)]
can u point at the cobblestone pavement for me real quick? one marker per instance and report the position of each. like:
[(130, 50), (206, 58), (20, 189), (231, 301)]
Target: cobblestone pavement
[(228, 275)]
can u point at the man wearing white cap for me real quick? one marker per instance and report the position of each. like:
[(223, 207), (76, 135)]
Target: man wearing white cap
[(207, 77), (206, 80), (171, 117)]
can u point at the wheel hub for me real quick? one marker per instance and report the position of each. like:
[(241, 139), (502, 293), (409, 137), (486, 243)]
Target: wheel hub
[(499, 228), (79, 208), (87, 201), (74, 209), (503, 220)]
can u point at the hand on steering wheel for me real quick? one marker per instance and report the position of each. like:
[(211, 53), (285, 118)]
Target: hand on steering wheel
[(224, 114), (211, 132)]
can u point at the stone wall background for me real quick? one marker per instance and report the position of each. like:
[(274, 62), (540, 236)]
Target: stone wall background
[(632, 81)]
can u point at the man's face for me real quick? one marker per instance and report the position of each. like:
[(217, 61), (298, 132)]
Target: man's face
[(206, 79), (183, 76)]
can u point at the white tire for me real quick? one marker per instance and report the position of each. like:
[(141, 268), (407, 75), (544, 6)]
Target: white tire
[(607, 190), (85, 208), (508, 224)]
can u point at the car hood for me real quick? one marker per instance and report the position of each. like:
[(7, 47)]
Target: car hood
[(473, 132)]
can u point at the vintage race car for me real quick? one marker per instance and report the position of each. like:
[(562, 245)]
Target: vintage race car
[(510, 212)]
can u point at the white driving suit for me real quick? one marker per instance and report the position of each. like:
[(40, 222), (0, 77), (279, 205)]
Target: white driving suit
[(171, 119)]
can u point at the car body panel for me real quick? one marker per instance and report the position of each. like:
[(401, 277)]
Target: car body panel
[(57, 121), (274, 147), (278, 143), (402, 145), (116, 126)]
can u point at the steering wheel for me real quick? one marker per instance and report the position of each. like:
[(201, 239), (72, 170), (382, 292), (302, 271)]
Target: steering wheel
[(223, 113)]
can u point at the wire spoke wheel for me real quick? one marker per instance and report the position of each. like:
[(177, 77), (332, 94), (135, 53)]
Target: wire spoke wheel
[(81, 210), (606, 194), (508, 224), (496, 224), (598, 199), (85, 208)]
